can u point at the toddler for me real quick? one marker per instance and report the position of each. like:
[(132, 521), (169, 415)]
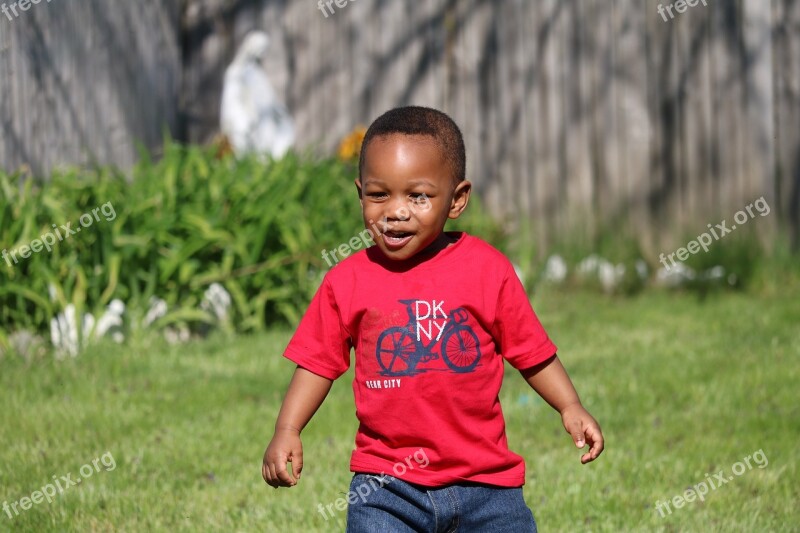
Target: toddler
[(431, 315)]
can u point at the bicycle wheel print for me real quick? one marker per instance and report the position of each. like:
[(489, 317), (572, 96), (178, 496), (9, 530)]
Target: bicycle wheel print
[(461, 349), (395, 352)]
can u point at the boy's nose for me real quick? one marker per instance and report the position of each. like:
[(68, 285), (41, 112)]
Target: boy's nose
[(397, 209)]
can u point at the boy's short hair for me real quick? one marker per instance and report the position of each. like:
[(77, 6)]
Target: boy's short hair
[(417, 120)]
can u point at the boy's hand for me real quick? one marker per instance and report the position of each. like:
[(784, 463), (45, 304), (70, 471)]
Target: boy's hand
[(584, 430), (305, 395), (284, 447)]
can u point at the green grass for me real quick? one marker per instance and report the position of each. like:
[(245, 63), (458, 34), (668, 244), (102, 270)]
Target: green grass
[(681, 389)]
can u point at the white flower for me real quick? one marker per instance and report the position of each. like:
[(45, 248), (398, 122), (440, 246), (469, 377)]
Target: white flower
[(555, 270), (674, 277), (175, 336), (216, 301), (158, 309), (64, 331), (610, 275), (589, 265), (111, 322), (714, 273)]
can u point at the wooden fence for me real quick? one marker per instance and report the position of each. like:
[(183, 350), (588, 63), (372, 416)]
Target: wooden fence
[(577, 114), (84, 81)]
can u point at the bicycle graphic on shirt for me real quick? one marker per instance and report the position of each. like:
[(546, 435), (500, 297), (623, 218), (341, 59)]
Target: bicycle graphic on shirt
[(399, 351)]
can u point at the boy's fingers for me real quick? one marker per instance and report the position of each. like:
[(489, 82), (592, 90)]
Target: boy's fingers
[(297, 462), (282, 475), (595, 437), (576, 431), (597, 440), (267, 470), (276, 470), (590, 456), (273, 479)]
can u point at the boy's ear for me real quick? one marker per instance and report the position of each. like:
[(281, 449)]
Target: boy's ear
[(358, 186), (460, 199)]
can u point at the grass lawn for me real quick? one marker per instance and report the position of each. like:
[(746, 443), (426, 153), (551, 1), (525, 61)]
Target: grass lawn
[(682, 389)]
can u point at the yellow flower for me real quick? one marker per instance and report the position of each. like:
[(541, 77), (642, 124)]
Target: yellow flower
[(350, 147)]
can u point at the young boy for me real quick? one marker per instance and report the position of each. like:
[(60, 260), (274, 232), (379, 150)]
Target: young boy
[(431, 315)]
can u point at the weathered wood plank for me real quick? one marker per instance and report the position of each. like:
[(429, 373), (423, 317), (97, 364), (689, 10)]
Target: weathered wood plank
[(577, 114), (81, 82)]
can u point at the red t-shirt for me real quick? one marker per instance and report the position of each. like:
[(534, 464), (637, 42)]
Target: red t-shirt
[(430, 337)]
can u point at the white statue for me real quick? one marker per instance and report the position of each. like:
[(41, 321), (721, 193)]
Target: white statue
[(252, 117)]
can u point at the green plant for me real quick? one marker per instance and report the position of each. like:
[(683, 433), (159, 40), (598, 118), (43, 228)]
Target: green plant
[(180, 224)]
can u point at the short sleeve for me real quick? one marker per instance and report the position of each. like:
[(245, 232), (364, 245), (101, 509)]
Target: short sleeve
[(321, 343), (520, 337)]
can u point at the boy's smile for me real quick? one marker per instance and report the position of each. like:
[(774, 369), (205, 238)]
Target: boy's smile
[(408, 193)]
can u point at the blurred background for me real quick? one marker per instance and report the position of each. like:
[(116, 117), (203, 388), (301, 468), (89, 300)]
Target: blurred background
[(223, 135), (575, 114)]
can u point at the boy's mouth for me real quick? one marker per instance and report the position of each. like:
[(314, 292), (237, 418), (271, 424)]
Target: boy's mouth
[(395, 240)]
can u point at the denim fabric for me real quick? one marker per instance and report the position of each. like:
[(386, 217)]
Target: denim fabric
[(386, 504)]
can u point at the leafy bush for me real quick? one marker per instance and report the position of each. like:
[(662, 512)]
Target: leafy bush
[(180, 224)]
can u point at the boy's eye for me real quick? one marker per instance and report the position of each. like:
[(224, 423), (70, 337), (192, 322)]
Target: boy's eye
[(376, 194), (418, 197)]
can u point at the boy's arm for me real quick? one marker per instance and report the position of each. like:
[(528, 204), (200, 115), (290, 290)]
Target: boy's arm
[(551, 382), (306, 393)]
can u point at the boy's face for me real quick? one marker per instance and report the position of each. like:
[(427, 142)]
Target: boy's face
[(408, 194)]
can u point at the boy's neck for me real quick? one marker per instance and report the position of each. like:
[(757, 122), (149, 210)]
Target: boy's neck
[(442, 242)]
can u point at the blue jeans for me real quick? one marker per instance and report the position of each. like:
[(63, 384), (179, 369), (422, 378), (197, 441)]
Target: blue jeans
[(387, 504)]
